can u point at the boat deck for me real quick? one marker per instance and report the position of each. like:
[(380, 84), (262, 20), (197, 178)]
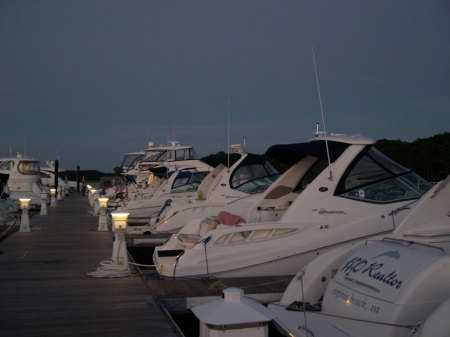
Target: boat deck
[(46, 290)]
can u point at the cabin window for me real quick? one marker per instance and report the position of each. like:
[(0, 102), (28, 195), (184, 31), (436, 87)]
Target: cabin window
[(249, 236), (376, 178), (29, 167), (7, 165)]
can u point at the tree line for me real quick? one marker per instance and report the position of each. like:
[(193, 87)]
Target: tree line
[(428, 157)]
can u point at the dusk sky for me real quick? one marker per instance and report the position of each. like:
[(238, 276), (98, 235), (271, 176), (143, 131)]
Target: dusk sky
[(87, 81)]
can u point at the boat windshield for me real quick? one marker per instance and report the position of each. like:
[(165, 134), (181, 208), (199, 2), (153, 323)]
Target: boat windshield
[(129, 161), (187, 182), (376, 178), (29, 167), (170, 155), (254, 177)]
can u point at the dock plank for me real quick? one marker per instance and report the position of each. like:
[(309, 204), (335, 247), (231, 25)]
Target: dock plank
[(46, 290)]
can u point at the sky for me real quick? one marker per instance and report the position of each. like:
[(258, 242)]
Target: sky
[(85, 81)]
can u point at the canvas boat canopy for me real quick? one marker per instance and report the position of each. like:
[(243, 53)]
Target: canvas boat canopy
[(293, 153)]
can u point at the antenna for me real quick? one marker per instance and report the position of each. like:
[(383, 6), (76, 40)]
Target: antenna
[(323, 119), (228, 135)]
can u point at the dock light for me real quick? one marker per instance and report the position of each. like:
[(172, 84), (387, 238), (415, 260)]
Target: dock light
[(53, 199), (43, 203), (25, 219), (120, 254), (103, 220), (233, 315), (91, 196), (96, 203)]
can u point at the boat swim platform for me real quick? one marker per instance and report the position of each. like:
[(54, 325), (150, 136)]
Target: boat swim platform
[(46, 290)]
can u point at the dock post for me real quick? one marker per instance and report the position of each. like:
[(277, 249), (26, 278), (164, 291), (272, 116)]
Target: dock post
[(120, 253), (103, 220), (43, 203), (25, 219)]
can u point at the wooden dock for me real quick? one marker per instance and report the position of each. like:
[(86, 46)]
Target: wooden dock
[(45, 290)]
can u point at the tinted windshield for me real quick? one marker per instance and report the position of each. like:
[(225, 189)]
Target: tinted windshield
[(376, 178), (254, 177), (130, 160), (187, 182)]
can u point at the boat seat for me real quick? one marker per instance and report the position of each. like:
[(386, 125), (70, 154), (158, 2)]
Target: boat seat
[(206, 225), (189, 238)]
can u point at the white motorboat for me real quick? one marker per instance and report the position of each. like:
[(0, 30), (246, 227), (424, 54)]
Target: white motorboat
[(234, 190), (172, 156), (169, 186), (24, 179), (135, 168), (395, 285), (361, 194)]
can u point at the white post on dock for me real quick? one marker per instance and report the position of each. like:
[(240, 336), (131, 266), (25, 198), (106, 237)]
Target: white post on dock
[(59, 193), (120, 253), (91, 196), (233, 315), (96, 211), (53, 200), (43, 203), (103, 220), (25, 219)]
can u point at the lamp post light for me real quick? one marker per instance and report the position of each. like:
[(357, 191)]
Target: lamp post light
[(89, 187), (43, 203), (53, 199), (91, 196), (120, 254), (96, 211), (25, 219), (102, 220), (58, 195)]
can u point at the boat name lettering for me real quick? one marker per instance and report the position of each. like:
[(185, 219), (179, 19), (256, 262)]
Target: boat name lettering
[(360, 265), (352, 299), (231, 197), (324, 211)]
